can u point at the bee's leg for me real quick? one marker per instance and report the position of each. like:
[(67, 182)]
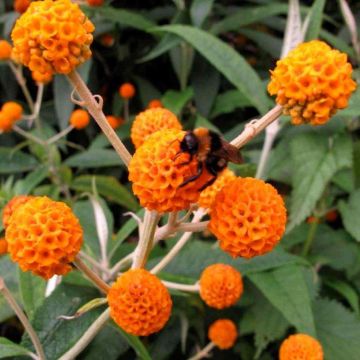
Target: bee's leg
[(210, 182), (194, 177)]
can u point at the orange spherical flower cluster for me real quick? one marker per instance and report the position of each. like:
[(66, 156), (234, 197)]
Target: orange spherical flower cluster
[(42, 78), (9, 114), (79, 119), (3, 247), (150, 121), (44, 236), (223, 333), (52, 37), (5, 50), (21, 6), (95, 2), (220, 286), (301, 347), (115, 121), (207, 196), (127, 91), (107, 40), (139, 303), (158, 170), (11, 206), (153, 104), (248, 217), (312, 82)]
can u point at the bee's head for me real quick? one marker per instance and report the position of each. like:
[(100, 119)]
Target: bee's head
[(190, 143)]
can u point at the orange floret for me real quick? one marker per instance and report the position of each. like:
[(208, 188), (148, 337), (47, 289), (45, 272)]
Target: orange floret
[(207, 196), (44, 237), (139, 303), (301, 347), (153, 104), (150, 121), (21, 6), (248, 217), (79, 119), (312, 82), (127, 91), (115, 121), (5, 50), (223, 333), (220, 286), (41, 78), (107, 40), (3, 247), (6, 123), (157, 170), (52, 37), (95, 2), (12, 110), (331, 216), (11, 206)]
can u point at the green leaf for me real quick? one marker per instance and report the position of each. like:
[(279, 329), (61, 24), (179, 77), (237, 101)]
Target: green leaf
[(286, 289), (197, 255), (338, 330), (247, 16), (350, 214), (315, 20), (33, 179), (356, 154), (200, 121), (107, 186), (135, 343), (15, 161), (57, 335), (316, 159), (32, 290), (199, 11), (124, 17), (8, 271), (353, 109), (176, 100), (226, 60), (344, 179), (9, 349), (228, 101), (94, 158), (346, 291)]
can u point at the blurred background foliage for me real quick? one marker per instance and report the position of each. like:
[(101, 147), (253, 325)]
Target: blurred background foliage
[(208, 61)]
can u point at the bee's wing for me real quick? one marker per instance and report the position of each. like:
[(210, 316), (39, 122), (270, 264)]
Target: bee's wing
[(229, 152)]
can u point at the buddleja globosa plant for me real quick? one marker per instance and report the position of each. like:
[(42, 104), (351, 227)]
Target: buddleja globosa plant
[(256, 289)]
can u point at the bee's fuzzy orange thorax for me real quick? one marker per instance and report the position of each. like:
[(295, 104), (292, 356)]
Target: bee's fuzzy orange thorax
[(204, 139)]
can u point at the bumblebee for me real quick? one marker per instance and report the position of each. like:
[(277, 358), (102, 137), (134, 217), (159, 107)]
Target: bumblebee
[(211, 151)]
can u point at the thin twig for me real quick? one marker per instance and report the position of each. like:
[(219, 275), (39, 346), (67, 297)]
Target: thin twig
[(23, 319), (204, 352), (120, 264), (89, 334), (28, 136), (100, 284), (93, 262), (182, 287), (60, 135), (96, 112)]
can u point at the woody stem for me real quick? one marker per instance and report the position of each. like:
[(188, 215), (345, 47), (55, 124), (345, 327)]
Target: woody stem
[(96, 112), (204, 352)]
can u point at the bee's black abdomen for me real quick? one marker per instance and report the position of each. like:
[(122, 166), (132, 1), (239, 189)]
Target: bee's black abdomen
[(216, 143)]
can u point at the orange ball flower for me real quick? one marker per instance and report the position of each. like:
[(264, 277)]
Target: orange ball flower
[(220, 286), (79, 119), (248, 217), (42, 78), (5, 50), (139, 303), (95, 2), (312, 82), (107, 40), (115, 121), (150, 121), (44, 237), (11, 206), (207, 196), (301, 347), (3, 247), (6, 123), (21, 6), (157, 170), (52, 37), (223, 333), (153, 104), (127, 91), (331, 215), (12, 110)]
